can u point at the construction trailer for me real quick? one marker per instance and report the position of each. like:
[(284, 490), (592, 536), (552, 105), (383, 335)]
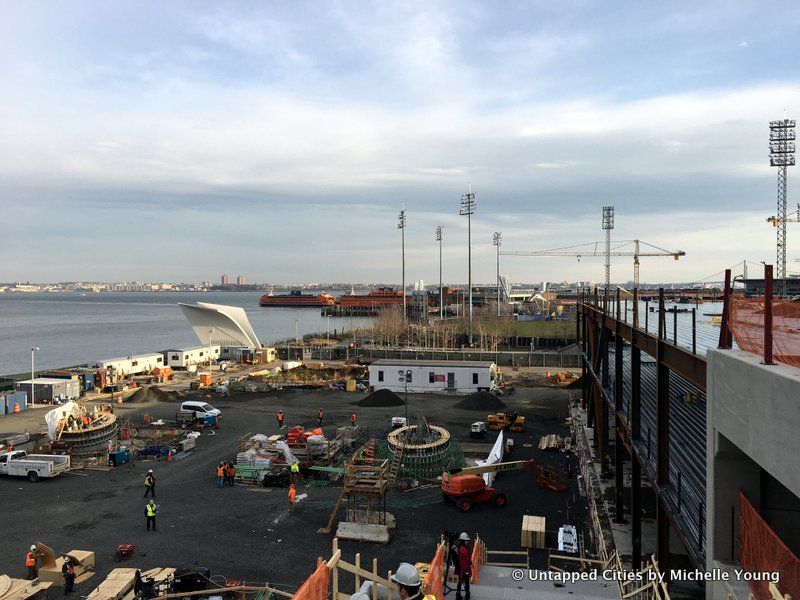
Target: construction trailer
[(47, 389), (132, 365), (399, 375), (180, 358)]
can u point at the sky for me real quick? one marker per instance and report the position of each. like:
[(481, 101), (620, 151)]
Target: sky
[(178, 141)]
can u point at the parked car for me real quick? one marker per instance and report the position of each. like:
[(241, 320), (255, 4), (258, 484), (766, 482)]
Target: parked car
[(478, 430), (33, 466)]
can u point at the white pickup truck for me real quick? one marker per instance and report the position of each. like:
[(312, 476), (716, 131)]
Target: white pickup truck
[(33, 466)]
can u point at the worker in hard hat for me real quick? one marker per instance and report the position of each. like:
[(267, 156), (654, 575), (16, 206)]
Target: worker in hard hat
[(291, 497), (31, 557), (464, 564), (408, 583), (150, 484), (68, 571), (294, 469)]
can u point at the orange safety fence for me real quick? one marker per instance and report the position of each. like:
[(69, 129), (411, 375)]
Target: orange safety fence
[(762, 551), (477, 560), (434, 582), (746, 322), (316, 586)]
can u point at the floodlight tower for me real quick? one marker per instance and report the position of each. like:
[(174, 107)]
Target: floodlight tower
[(439, 237), (781, 155), (468, 209), (401, 225), (497, 241), (608, 225)]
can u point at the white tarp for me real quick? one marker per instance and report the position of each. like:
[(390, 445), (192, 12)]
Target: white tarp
[(495, 456), (53, 417), (287, 453)]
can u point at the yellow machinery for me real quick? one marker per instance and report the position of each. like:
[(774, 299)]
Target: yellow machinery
[(501, 420)]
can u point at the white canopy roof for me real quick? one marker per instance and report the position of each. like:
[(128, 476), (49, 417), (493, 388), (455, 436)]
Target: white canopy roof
[(220, 324)]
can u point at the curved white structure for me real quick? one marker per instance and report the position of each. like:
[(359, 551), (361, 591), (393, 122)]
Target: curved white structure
[(219, 324)]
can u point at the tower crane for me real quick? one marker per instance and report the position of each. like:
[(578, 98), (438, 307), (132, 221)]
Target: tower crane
[(639, 250)]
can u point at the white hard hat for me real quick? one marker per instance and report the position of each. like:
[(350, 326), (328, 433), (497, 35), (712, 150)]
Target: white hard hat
[(464, 536), (33, 547), (360, 596), (407, 575), (149, 470)]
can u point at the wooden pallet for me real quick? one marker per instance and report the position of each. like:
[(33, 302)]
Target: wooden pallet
[(551, 442), (533, 531)]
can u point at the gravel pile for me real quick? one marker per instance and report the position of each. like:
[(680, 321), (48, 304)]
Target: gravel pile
[(381, 398), (481, 401), (149, 394)]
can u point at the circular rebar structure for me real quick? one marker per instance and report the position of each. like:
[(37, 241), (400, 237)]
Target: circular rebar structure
[(424, 458), (93, 441)]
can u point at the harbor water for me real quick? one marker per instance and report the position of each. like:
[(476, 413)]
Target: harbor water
[(71, 328)]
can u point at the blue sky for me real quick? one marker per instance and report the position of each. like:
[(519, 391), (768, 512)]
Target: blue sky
[(177, 141)]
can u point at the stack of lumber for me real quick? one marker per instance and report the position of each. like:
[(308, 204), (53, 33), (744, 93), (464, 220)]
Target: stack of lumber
[(22, 589), (533, 531), (554, 442), (116, 586), (50, 566)]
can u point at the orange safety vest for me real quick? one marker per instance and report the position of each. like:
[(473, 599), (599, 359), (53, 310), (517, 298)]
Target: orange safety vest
[(292, 494), (319, 414), (353, 417), (220, 472), (231, 471), (30, 559), (280, 416)]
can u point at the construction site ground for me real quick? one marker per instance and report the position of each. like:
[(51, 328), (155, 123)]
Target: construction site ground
[(247, 533)]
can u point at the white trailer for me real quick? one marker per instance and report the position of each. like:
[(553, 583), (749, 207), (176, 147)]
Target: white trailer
[(458, 376), (180, 358), (33, 466), (132, 365)]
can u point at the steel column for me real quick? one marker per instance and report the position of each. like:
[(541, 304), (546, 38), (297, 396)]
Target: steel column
[(662, 402), (618, 445), (636, 514)]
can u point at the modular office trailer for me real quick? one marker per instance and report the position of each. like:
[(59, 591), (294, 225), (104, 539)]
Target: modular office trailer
[(48, 389), (132, 365), (180, 358), (398, 375)]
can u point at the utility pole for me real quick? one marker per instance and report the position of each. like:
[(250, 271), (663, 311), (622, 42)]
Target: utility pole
[(401, 225), (441, 288), (497, 240), (468, 209), (781, 155), (608, 225)]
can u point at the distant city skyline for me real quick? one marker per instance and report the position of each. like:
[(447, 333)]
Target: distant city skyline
[(280, 140)]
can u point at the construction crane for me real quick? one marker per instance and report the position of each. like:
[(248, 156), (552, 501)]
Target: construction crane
[(596, 249)]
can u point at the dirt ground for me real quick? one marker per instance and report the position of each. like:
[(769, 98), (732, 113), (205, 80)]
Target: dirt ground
[(247, 533)]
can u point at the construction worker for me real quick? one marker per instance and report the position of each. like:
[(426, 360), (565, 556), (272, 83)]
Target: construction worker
[(220, 474), (292, 495), (280, 420), (68, 571), (320, 416), (408, 583), (150, 484), (294, 469), (464, 564), (231, 472), (353, 419), (30, 562), (150, 511)]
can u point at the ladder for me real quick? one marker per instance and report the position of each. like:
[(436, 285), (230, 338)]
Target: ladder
[(394, 466)]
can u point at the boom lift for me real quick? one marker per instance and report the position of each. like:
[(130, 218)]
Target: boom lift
[(466, 487)]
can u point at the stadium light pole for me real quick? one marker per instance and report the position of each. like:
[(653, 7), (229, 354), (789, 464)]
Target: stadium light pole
[(439, 236), (401, 225), (468, 209), (33, 385), (781, 155), (497, 240)]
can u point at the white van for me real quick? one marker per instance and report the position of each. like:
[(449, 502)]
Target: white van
[(201, 409)]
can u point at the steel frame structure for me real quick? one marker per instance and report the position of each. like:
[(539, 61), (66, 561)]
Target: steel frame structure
[(635, 387)]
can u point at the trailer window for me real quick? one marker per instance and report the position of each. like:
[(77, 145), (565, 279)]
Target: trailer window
[(408, 376), (134, 363), (380, 375), (474, 379), (174, 357), (431, 377)]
